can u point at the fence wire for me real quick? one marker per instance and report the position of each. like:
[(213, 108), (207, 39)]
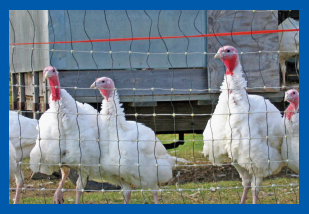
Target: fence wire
[(180, 187)]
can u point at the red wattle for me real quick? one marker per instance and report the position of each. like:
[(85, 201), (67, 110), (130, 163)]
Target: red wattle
[(228, 72), (230, 63), (105, 93), (291, 110), (55, 92)]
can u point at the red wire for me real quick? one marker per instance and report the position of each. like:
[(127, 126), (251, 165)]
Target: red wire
[(166, 37)]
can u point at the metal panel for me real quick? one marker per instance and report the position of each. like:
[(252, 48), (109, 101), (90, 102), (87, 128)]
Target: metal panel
[(25, 32), (221, 21), (93, 23)]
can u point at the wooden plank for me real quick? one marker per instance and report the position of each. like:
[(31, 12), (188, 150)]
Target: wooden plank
[(143, 104), (29, 104), (273, 97), (29, 89), (214, 101), (36, 96), (220, 21), (156, 98), (194, 97), (17, 89), (14, 91), (184, 123), (145, 79), (44, 104), (22, 98), (41, 84), (166, 122)]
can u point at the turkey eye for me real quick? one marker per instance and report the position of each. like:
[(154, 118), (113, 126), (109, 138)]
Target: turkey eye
[(103, 81), (294, 92), (228, 51), (54, 71)]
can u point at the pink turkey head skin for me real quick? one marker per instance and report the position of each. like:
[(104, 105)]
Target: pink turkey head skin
[(105, 85), (291, 96), (229, 56), (51, 74)]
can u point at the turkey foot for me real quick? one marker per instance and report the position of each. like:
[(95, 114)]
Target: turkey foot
[(58, 197)]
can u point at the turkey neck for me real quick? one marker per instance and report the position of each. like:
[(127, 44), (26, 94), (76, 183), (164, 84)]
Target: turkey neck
[(233, 86), (112, 106), (66, 106), (291, 110), (54, 88), (231, 64)]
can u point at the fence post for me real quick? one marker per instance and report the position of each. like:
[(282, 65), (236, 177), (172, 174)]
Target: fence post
[(14, 91), (22, 96), (36, 97)]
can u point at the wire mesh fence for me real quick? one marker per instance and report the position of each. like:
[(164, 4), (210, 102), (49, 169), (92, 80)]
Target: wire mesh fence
[(105, 142)]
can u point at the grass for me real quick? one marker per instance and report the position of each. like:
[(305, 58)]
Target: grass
[(281, 195), (189, 181), (187, 151)]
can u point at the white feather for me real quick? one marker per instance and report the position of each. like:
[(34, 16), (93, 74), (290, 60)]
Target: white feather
[(15, 172), (290, 145), (12, 161), (78, 136), (145, 152), (20, 126), (240, 126)]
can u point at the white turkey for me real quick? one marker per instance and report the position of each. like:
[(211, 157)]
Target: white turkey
[(237, 130), (22, 137), (15, 172), (290, 145), (288, 44), (144, 161), (68, 137), (22, 134)]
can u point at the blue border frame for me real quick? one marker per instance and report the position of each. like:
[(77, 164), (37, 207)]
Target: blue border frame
[(223, 4)]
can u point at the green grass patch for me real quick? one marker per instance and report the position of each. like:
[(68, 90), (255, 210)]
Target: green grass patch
[(191, 150), (282, 193), (188, 195)]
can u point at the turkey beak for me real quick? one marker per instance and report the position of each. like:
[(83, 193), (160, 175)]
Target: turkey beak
[(48, 74), (286, 98), (93, 85), (217, 55)]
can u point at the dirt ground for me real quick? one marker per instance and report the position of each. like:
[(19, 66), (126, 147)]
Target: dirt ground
[(217, 173)]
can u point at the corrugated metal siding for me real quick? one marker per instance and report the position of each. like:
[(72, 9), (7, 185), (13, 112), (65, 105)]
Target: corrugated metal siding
[(119, 25), (260, 69), (25, 31)]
